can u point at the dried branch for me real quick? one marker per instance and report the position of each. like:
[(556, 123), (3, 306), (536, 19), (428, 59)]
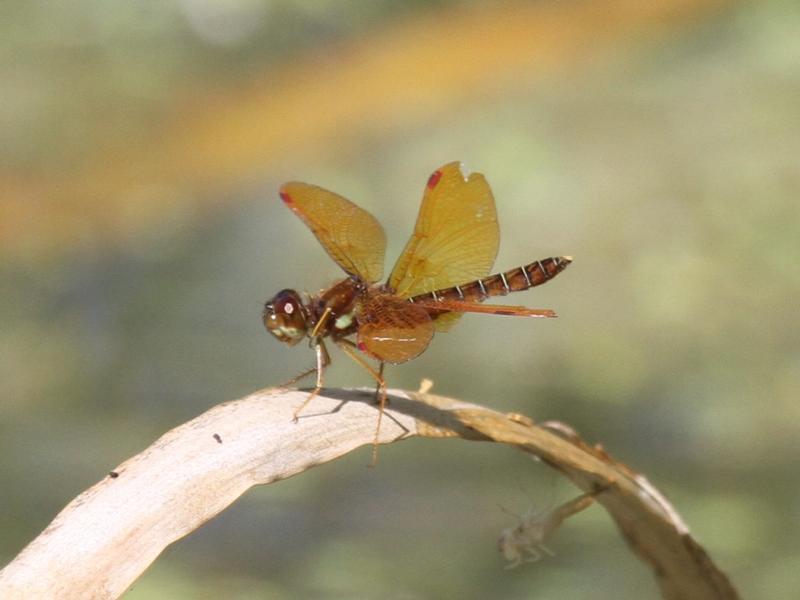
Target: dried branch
[(104, 539)]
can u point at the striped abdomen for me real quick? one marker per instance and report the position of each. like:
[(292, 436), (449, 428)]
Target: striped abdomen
[(500, 284)]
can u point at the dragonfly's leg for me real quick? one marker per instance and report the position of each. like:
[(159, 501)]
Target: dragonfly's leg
[(323, 320), (313, 343), (297, 378), (323, 360), (349, 348), (378, 385)]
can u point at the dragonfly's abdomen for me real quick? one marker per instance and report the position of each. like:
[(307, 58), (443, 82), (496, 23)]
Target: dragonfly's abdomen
[(501, 284)]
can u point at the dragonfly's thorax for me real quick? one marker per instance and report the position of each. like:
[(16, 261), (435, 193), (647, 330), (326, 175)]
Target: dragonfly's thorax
[(340, 302)]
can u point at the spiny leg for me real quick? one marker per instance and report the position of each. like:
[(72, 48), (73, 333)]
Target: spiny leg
[(350, 349), (323, 360)]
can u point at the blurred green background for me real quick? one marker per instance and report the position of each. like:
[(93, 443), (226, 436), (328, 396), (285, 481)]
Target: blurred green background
[(141, 147)]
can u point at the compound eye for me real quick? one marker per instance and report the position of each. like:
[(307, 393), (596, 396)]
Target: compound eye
[(287, 302), (286, 306)]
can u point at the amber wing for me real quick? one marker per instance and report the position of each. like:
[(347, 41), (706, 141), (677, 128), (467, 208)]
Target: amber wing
[(455, 239), (456, 236), (391, 329), (349, 234)]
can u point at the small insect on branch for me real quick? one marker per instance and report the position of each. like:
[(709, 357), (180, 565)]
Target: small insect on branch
[(525, 542)]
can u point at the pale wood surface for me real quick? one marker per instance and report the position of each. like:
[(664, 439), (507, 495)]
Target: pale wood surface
[(106, 537)]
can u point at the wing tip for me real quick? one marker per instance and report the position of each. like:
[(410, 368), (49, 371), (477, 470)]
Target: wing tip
[(543, 313), (286, 197), (466, 172), (434, 179)]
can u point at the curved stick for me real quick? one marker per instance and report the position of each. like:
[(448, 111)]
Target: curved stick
[(105, 538)]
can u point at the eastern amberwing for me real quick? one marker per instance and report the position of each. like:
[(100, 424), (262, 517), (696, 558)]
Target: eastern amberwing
[(441, 274)]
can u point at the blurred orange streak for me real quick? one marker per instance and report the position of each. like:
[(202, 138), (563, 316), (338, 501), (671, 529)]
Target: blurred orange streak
[(408, 72)]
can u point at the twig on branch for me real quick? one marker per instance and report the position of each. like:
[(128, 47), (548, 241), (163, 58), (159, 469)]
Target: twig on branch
[(106, 537)]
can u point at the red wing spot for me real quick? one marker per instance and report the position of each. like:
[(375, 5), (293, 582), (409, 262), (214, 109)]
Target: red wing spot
[(434, 179), (287, 199)]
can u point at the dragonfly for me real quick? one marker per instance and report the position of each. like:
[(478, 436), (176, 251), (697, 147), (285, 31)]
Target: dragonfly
[(442, 273)]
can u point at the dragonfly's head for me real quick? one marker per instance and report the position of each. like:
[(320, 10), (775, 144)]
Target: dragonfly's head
[(285, 317)]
